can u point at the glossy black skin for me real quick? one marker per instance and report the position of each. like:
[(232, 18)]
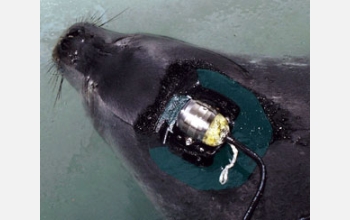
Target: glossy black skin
[(119, 77)]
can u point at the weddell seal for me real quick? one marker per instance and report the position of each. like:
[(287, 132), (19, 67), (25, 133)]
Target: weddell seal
[(204, 138)]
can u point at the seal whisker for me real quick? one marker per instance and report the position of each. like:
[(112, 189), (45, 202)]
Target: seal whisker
[(58, 96), (52, 65), (49, 65), (96, 19), (80, 19), (53, 70), (113, 18), (93, 17), (53, 80)]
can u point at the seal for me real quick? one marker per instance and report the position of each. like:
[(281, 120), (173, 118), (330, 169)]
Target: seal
[(134, 86)]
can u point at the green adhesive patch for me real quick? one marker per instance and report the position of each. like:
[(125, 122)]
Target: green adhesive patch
[(251, 128)]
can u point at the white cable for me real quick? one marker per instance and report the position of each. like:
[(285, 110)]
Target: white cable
[(224, 173)]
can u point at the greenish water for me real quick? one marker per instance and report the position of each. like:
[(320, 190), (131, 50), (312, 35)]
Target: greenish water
[(80, 176)]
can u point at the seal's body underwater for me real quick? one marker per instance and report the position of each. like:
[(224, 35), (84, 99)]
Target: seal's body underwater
[(127, 82)]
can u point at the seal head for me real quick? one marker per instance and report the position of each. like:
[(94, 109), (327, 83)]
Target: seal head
[(101, 64)]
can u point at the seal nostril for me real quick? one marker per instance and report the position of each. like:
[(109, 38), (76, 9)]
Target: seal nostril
[(75, 32), (65, 44)]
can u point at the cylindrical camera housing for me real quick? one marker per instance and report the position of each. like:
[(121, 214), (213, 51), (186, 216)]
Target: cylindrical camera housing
[(202, 122)]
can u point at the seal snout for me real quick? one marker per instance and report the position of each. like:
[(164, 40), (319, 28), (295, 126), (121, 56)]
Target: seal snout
[(70, 46), (83, 41)]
